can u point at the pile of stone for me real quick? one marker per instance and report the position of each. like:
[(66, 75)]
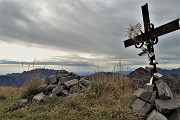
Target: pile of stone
[(61, 84), (157, 105)]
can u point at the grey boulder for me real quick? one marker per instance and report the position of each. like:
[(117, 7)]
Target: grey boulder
[(64, 93), (46, 81), (37, 98), (53, 79), (164, 90), (174, 115), (143, 94), (52, 95), (50, 87), (166, 106), (71, 83), (75, 89), (62, 80), (82, 86), (61, 73), (42, 87), (58, 89), (74, 76), (84, 82), (154, 115), (141, 106)]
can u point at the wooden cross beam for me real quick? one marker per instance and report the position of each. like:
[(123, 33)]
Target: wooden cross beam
[(159, 31)]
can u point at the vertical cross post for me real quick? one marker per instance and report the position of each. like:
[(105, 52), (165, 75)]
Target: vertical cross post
[(148, 27)]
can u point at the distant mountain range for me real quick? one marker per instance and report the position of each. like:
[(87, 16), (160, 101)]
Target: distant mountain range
[(142, 76), (168, 72), (18, 79), (159, 70)]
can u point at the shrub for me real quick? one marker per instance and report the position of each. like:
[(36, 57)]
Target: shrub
[(30, 88)]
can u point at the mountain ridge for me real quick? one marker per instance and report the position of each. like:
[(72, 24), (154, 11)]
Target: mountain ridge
[(18, 79)]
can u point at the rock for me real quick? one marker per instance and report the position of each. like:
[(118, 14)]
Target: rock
[(174, 115), (37, 98), (47, 80), (84, 82), (50, 87), (71, 83), (132, 99), (163, 90), (153, 97), (42, 87), (166, 106), (86, 78), (62, 80), (81, 86), (74, 76), (75, 89), (53, 79), (23, 102), (143, 94), (64, 93), (149, 88), (141, 106), (58, 89), (154, 115), (61, 73), (52, 95)]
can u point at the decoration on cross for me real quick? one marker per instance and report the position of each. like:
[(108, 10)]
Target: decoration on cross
[(149, 38)]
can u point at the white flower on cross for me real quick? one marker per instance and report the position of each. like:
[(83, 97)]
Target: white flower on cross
[(133, 31)]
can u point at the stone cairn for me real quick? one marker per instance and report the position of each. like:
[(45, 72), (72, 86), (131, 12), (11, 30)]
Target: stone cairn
[(61, 84), (157, 105)]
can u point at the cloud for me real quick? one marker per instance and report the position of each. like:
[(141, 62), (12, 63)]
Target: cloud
[(57, 63), (85, 26)]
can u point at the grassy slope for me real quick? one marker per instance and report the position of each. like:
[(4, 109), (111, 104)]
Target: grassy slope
[(106, 99)]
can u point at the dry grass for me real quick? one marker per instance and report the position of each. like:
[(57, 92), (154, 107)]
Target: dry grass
[(106, 99), (29, 89)]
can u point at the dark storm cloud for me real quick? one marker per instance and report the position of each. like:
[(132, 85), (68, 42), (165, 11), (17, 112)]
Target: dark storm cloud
[(87, 26)]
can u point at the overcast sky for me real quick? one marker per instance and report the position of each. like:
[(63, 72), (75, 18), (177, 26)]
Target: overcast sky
[(81, 34)]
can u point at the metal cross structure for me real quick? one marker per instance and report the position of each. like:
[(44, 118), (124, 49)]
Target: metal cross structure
[(150, 38)]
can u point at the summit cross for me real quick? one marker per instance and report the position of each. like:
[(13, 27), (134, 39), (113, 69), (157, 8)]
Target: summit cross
[(150, 38)]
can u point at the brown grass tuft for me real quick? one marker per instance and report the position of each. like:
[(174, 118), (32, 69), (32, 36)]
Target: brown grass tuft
[(30, 88), (106, 99)]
